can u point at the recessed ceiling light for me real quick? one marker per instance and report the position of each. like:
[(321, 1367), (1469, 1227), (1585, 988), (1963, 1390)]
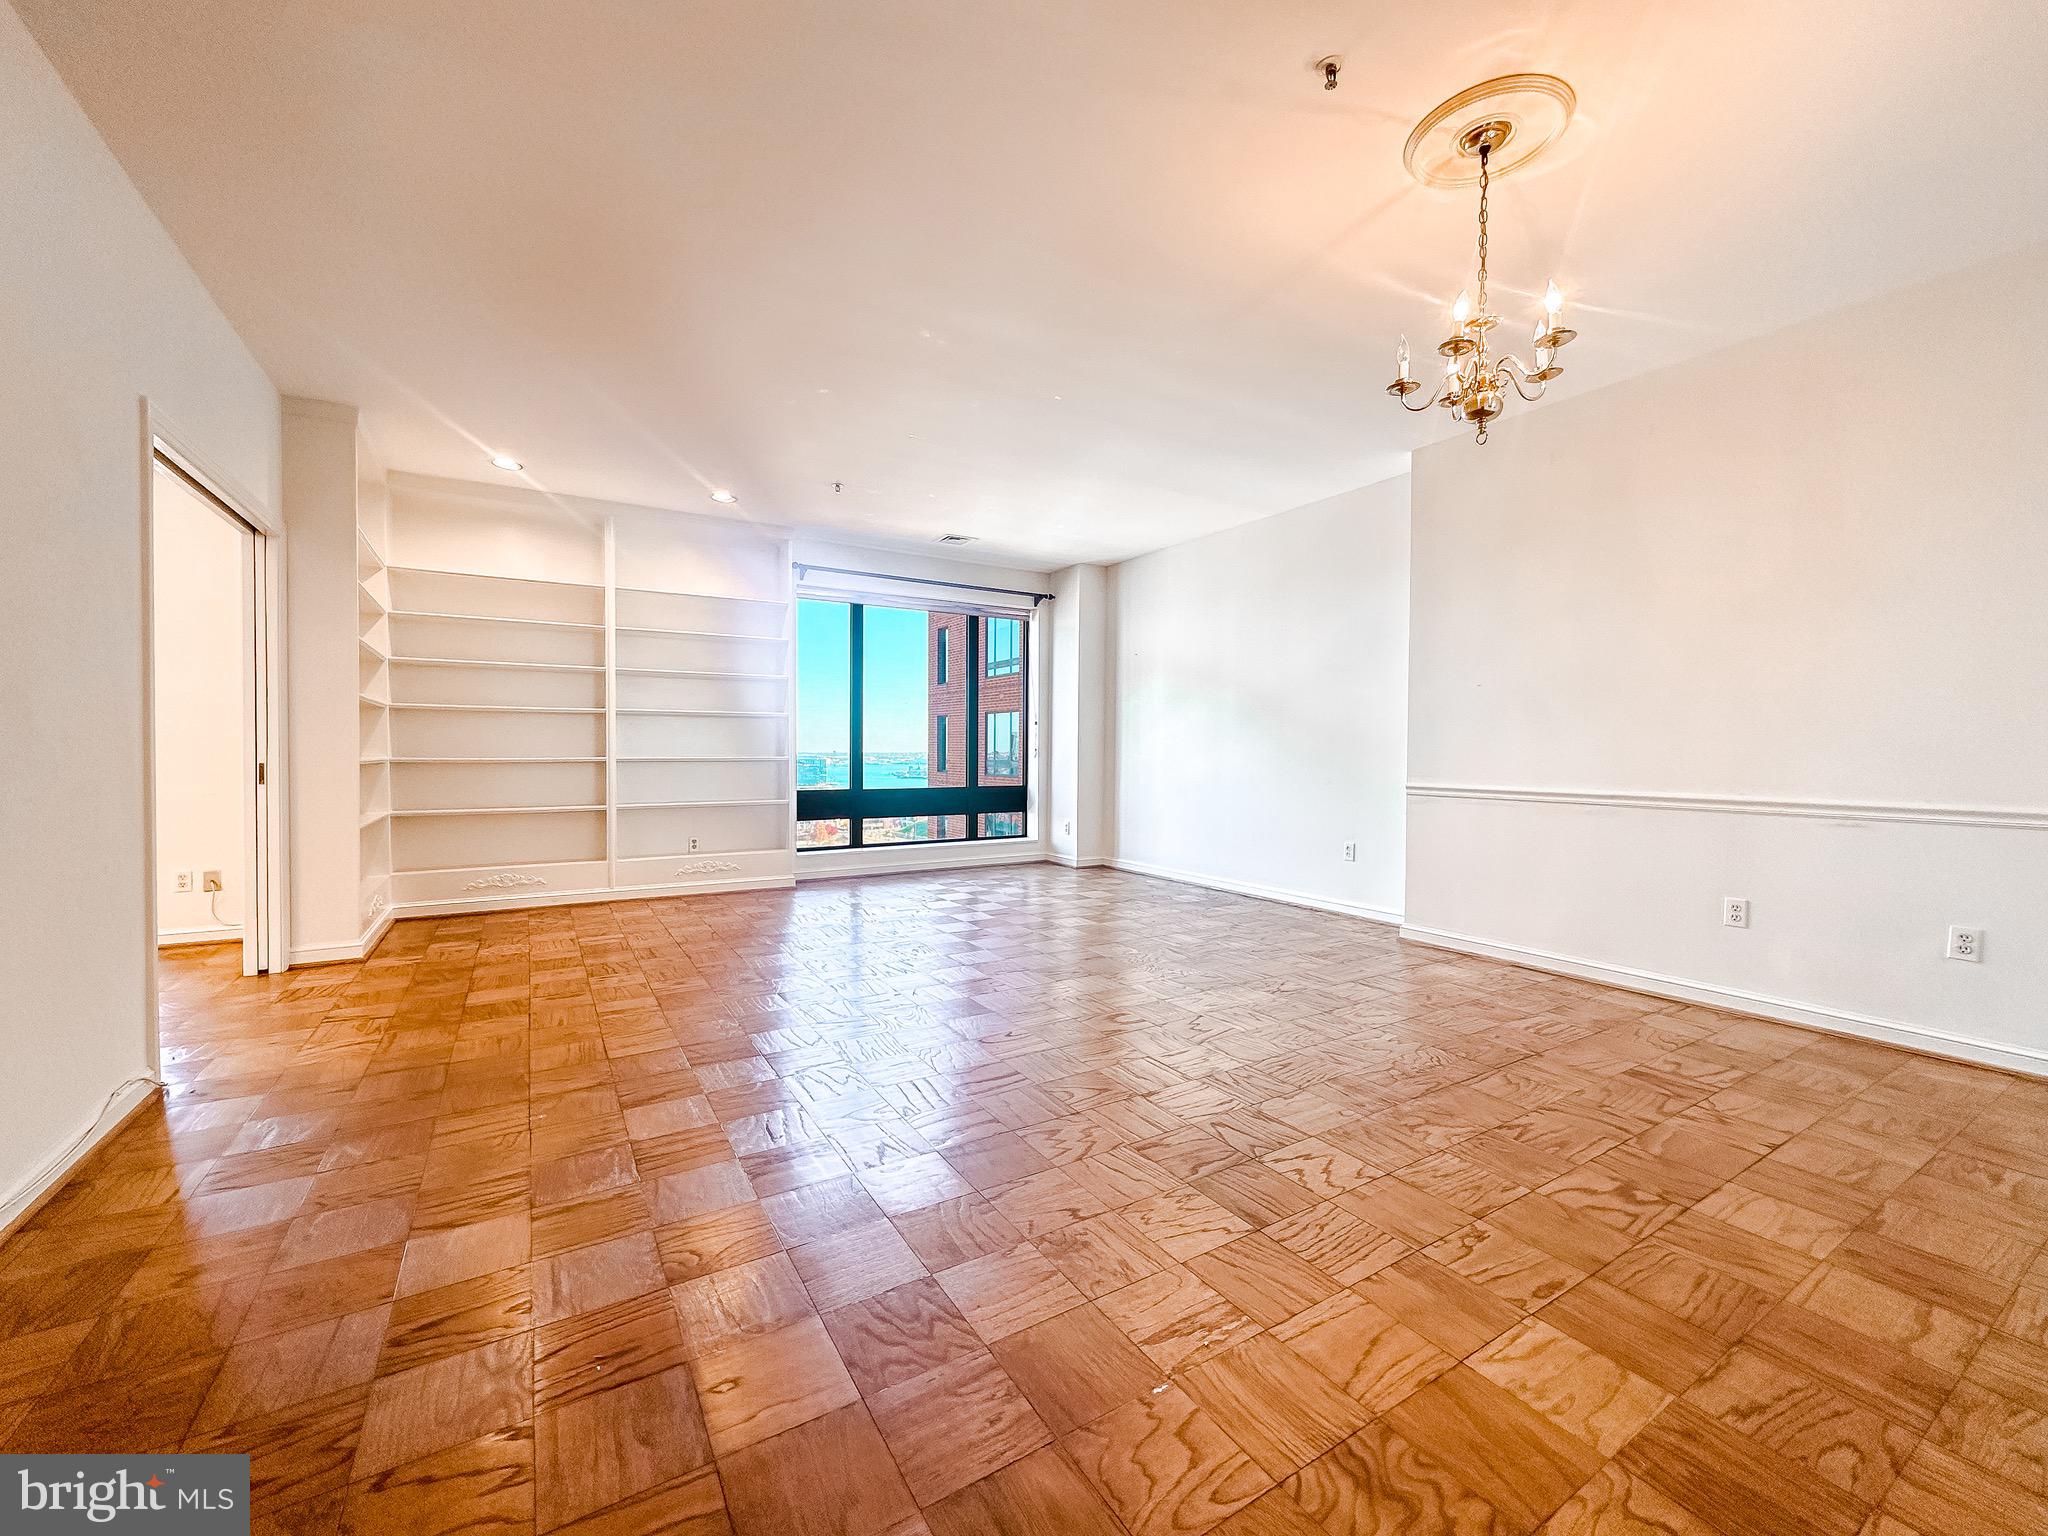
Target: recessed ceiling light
[(725, 496), (505, 461)]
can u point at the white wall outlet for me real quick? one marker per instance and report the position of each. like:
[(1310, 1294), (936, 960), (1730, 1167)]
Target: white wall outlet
[(212, 881), (1735, 911), (693, 845), (1966, 944), (185, 879), (1351, 853), (1067, 828)]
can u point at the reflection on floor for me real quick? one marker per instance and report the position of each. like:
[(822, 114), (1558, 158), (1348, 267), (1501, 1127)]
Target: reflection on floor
[(1035, 1200)]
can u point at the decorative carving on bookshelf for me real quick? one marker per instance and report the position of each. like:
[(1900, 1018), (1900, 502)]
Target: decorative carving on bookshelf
[(505, 880), (708, 867)]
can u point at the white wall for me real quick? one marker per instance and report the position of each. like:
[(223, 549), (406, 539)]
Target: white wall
[(97, 310), (324, 479), (1079, 792), (1260, 680), (201, 705), (1803, 571)]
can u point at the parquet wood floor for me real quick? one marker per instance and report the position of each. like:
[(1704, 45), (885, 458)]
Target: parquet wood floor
[(1039, 1201)]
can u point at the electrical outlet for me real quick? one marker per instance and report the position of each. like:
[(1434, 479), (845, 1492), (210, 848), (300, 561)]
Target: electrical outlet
[(1067, 827), (1966, 944), (1735, 911), (212, 881), (693, 845), (1351, 853), (185, 878)]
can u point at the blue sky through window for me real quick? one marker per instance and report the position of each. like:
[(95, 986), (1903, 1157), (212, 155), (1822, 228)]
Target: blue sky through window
[(895, 715)]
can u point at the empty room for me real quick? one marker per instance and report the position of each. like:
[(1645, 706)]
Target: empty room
[(943, 767)]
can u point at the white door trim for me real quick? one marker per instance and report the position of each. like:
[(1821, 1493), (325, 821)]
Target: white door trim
[(267, 925)]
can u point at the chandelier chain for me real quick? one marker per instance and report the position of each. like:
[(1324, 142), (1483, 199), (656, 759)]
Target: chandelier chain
[(1485, 152)]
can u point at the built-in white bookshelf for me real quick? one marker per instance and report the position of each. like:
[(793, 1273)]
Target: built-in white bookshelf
[(537, 735), (373, 706)]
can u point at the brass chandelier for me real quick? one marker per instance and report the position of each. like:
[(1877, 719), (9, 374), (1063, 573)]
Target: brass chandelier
[(1476, 383)]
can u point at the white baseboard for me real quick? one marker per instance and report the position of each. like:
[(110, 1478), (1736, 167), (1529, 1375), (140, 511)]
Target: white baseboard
[(223, 934), (352, 949), (903, 859), (1913, 1037), (1262, 892), (1071, 862), (503, 902), (44, 1181)]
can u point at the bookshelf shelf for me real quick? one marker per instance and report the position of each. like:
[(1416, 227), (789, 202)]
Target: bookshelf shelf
[(539, 735)]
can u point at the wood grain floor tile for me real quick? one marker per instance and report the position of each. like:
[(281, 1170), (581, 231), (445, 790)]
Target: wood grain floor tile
[(703, 1245), (745, 1299), (429, 1408), (1395, 1206), (1377, 1484), (1805, 1421), (952, 1231), (1942, 1339), (1578, 1389), (1002, 1293), (446, 1321), (1175, 1318), (1076, 1367), (758, 1386), (955, 1424), (690, 1505), (584, 1279), (484, 1485), (262, 1376), (1372, 1356), (1037, 1495), (606, 1347), (1164, 1466), (1614, 1504), (1453, 1313), (1732, 1482), (888, 1339), (595, 1449), (1519, 1461), (1340, 1244), (1102, 1253), (1267, 1281), (1184, 1222), (448, 1254), (1273, 1403), (830, 1476), (1517, 1272), (856, 1263)]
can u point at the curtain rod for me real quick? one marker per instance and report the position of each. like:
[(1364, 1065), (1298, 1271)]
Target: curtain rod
[(923, 581)]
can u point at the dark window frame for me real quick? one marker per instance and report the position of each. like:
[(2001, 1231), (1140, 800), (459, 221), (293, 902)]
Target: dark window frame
[(939, 745), (857, 803), (941, 662)]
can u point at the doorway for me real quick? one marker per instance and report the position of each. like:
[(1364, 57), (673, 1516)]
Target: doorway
[(208, 726)]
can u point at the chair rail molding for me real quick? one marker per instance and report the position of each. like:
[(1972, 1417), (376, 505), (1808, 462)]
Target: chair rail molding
[(2020, 818)]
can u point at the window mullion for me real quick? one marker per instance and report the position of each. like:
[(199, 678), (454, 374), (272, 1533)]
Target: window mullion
[(856, 776)]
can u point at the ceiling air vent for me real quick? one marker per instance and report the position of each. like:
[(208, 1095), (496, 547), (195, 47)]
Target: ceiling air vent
[(956, 538)]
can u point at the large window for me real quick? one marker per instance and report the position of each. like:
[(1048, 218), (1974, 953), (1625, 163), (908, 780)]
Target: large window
[(910, 726)]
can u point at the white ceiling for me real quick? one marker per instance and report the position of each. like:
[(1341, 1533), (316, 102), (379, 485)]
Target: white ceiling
[(1080, 278)]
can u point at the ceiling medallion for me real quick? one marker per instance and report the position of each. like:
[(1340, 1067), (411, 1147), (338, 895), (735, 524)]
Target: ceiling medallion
[(1490, 130)]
